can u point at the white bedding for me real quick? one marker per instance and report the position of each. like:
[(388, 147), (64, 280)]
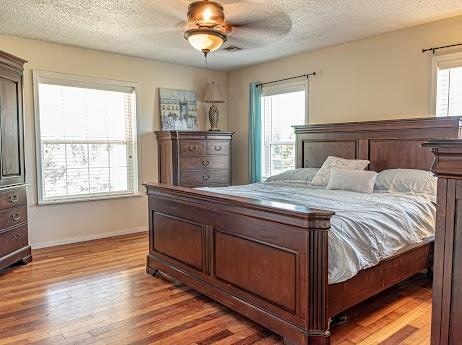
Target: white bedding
[(366, 228)]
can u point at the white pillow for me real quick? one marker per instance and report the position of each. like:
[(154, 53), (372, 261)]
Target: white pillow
[(323, 175), (301, 175), (361, 181), (407, 181)]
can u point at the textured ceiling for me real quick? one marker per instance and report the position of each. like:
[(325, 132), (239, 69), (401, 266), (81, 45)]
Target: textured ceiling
[(266, 29)]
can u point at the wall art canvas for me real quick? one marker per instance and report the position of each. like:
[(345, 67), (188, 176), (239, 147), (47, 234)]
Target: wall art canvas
[(178, 109)]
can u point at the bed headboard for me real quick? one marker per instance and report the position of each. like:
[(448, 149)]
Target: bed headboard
[(386, 144)]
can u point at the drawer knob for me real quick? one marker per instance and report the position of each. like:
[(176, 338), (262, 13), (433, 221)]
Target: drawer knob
[(205, 177), (13, 198), (15, 216), (218, 148), (205, 163), (192, 148)]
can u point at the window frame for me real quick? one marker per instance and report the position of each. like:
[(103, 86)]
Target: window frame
[(285, 87), (437, 60), (92, 83), (278, 89)]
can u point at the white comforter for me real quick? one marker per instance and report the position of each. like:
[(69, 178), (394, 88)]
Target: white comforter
[(365, 229)]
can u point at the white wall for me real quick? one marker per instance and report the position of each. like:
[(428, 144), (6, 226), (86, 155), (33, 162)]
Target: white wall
[(381, 77), (53, 224)]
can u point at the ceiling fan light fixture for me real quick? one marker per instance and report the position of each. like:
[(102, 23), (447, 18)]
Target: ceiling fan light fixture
[(205, 40), (206, 13), (206, 28)]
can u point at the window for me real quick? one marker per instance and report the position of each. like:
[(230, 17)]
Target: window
[(283, 106), (86, 138), (448, 77)]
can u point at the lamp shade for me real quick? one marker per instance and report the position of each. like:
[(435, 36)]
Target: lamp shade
[(205, 40), (213, 94)]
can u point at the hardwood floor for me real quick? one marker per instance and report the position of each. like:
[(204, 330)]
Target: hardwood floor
[(98, 293)]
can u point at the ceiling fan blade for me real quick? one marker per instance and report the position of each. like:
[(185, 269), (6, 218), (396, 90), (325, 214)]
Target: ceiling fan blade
[(171, 10), (259, 33), (241, 13)]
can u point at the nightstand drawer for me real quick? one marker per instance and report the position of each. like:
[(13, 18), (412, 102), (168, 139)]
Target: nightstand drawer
[(192, 147), (218, 147), (12, 216), (13, 197), (204, 177), (205, 162), (13, 240)]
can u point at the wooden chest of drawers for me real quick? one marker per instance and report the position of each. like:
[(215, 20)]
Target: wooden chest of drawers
[(13, 200), (195, 159), (13, 226)]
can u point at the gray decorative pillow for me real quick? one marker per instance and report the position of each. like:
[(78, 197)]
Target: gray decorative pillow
[(361, 181), (301, 175), (323, 175)]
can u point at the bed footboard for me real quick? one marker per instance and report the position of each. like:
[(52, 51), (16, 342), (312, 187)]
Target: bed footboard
[(264, 260)]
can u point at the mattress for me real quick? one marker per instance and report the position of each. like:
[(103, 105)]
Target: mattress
[(366, 228)]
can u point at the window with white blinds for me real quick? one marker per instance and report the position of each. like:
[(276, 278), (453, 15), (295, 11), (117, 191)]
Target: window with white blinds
[(448, 96), (86, 138), (283, 106)]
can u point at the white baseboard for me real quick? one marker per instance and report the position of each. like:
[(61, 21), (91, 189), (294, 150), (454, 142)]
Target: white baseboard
[(90, 237)]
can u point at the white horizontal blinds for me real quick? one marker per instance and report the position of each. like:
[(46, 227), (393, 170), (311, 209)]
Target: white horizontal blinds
[(280, 88), (88, 140), (449, 88), (283, 106)]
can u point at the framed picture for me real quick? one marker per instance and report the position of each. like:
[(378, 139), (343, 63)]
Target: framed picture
[(178, 109)]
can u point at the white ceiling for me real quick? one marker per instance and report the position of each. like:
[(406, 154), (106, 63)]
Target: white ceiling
[(272, 28)]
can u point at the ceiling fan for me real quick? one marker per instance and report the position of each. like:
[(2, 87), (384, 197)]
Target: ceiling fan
[(206, 29), (243, 24)]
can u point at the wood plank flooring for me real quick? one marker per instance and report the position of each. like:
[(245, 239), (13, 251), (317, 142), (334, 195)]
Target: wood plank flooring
[(98, 293)]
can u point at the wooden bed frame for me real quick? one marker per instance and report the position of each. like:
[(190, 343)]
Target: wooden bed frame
[(269, 260)]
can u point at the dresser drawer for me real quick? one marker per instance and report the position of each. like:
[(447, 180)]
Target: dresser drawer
[(204, 177), (192, 147), (205, 162), (13, 240), (13, 197), (218, 147), (12, 216)]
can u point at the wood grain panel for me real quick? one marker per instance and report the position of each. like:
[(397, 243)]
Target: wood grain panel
[(205, 162), (406, 154), (250, 265), (10, 131), (12, 216), (166, 168), (192, 147), (13, 239), (315, 152), (204, 177), (218, 147), (13, 197), (388, 144), (179, 239), (455, 327)]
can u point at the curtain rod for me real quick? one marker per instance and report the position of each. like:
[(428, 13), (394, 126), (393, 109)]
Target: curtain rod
[(298, 76), (442, 47)]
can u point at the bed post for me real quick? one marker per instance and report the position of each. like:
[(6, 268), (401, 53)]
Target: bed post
[(318, 320), (447, 279), (318, 271)]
